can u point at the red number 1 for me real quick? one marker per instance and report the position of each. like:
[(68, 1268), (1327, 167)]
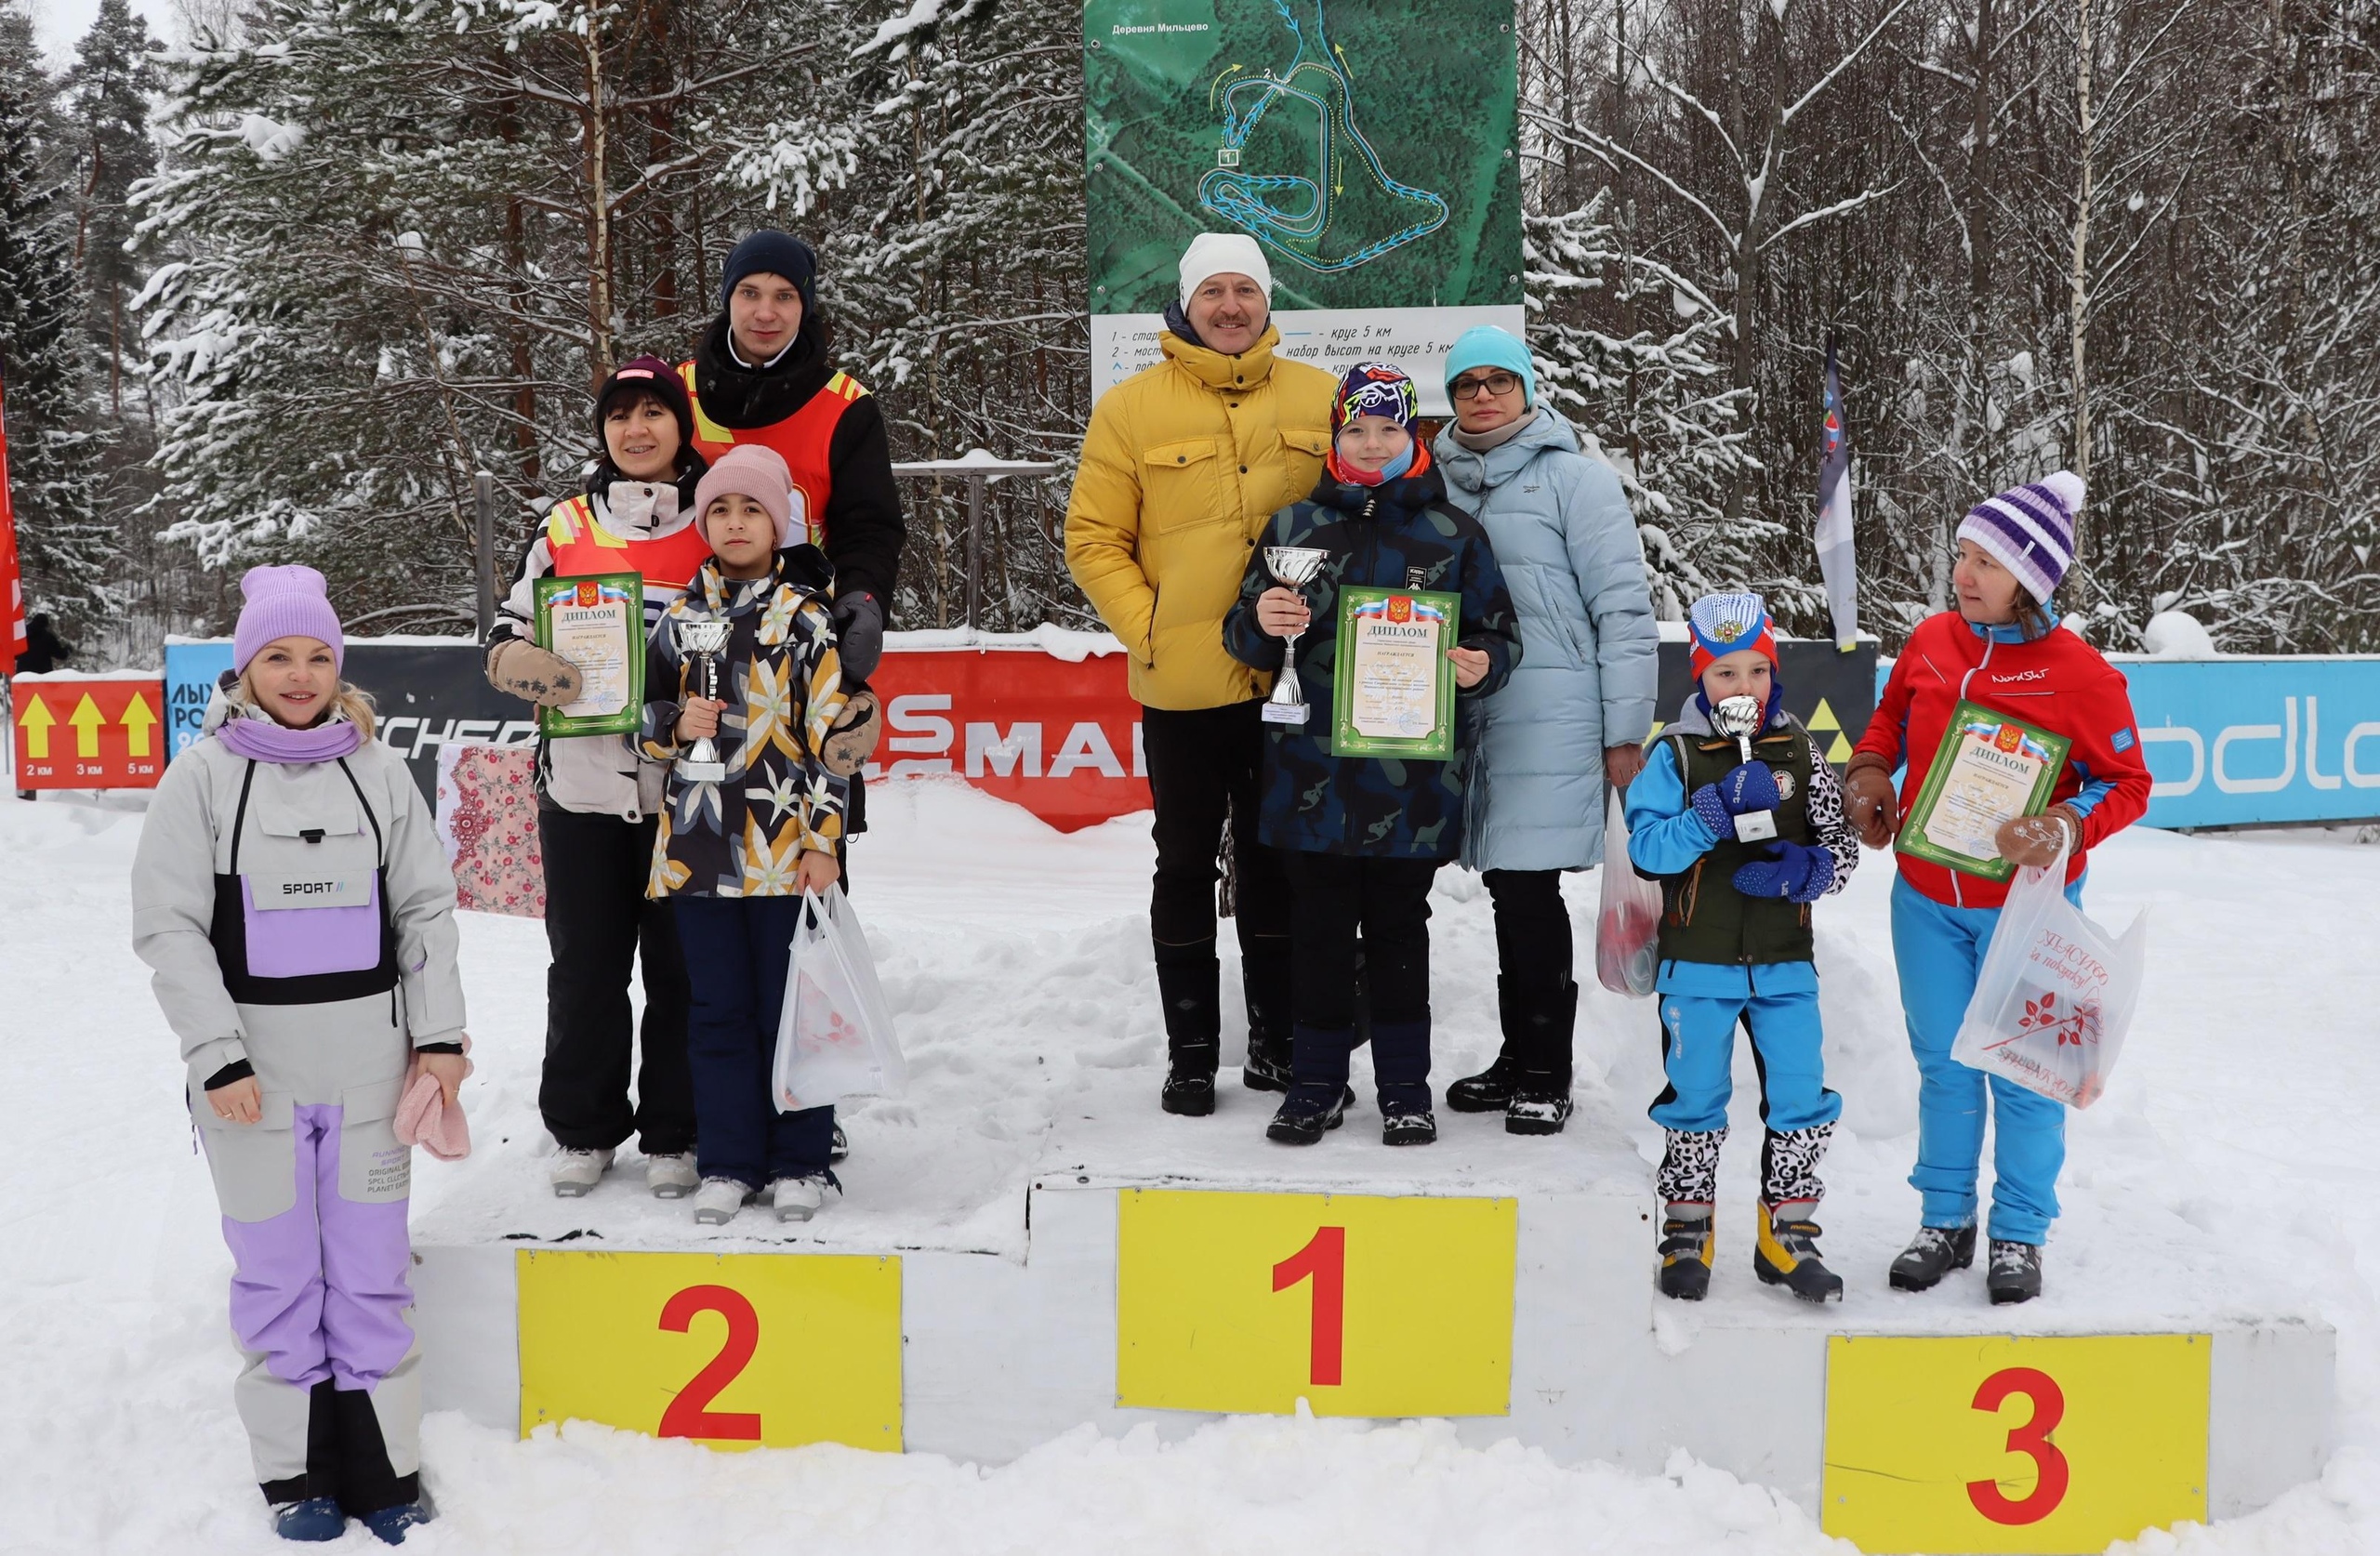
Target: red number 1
[(688, 1415), (2032, 1440), (1324, 1259)]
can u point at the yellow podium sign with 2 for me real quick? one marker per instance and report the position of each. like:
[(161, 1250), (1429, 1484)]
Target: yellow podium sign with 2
[(735, 1351), (2037, 1445), (1361, 1305)]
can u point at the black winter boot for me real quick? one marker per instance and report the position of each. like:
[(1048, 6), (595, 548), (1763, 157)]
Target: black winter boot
[(1686, 1251), (1787, 1254), (2015, 1275), (1265, 977), (1318, 1096), (1491, 1089), (1541, 1100), (1932, 1254), (1189, 988)]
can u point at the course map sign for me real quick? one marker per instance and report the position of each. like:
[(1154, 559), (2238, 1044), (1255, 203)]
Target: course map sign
[(1367, 144)]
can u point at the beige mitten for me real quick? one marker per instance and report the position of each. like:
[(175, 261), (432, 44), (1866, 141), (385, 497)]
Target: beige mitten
[(853, 738), (532, 674)]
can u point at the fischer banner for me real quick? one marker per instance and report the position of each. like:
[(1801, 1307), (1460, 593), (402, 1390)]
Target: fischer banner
[(76, 730)]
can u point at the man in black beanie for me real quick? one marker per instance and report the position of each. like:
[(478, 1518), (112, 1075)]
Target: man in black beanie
[(764, 372)]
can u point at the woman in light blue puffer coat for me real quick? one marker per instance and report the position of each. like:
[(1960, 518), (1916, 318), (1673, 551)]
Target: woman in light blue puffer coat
[(1573, 717)]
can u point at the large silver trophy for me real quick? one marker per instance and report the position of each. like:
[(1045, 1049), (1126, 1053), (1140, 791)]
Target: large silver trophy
[(702, 640), (1740, 717), (1293, 567)]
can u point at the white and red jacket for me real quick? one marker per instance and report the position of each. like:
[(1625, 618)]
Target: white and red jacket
[(2057, 682)]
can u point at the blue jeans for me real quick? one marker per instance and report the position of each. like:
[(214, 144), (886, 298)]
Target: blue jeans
[(1939, 952), (736, 950)]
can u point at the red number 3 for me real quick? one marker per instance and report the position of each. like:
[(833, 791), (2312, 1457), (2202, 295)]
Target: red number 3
[(688, 1415), (2032, 1440)]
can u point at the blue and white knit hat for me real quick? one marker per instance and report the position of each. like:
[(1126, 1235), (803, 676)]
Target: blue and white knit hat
[(2030, 530)]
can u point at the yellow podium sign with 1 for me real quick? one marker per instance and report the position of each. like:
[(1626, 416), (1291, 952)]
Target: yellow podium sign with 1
[(736, 1350), (1361, 1305), (2000, 1443)]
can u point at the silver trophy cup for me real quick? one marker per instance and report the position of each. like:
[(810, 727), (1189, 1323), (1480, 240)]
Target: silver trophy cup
[(702, 640), (1293, 567), (1740, 719)]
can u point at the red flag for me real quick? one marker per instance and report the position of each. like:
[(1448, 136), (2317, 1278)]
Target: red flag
[(12, 585)]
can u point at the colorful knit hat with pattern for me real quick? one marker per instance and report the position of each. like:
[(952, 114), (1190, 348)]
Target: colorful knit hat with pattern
[(1374, 388), (1721, 624), (2030, 530)]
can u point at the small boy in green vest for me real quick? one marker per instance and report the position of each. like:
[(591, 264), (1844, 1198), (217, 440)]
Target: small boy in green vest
[(1741, 848)]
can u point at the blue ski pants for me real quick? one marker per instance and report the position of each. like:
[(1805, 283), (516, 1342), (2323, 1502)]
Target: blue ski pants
[(1699, 1050), (1939, 952)]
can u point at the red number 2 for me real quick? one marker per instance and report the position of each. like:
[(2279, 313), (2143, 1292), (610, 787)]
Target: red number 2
[(1324, 1259), (2032, 1440), (687, 1415)]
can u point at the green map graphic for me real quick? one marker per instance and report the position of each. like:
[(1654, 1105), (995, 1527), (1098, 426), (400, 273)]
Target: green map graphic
[(1365, 143)]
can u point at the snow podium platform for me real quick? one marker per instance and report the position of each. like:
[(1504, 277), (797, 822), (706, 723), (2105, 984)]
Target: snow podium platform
[(1163, 1270)]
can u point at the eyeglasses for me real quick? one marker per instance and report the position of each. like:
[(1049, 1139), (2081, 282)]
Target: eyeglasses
[(1470, 385)]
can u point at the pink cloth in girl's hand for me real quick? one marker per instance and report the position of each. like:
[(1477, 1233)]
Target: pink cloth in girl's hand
[(424, 1119)]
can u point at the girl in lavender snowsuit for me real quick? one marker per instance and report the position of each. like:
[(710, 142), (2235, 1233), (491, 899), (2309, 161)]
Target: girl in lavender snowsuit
[(292, 896)]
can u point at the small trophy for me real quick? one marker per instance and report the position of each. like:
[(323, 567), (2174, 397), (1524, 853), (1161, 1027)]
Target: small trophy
[(699, 640), (1294, 567), (1740, 717)]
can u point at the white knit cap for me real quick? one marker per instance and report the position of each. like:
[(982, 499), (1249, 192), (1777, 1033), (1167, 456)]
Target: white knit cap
[(1223, 254)]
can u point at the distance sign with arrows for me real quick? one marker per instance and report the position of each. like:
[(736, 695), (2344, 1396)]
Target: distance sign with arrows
[(80, 732)]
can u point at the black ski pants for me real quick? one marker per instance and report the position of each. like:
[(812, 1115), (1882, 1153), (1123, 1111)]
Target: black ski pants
[(1202, 763), (1532, 930), (600, 925)]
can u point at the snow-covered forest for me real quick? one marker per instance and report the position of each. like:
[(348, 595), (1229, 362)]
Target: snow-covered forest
[(275, 291)]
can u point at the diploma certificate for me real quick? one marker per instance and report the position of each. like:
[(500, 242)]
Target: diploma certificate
[(596, 623), (1393, 686), (1991, 770)]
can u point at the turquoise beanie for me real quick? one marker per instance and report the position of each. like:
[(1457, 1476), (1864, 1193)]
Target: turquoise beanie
[(1486, 346)]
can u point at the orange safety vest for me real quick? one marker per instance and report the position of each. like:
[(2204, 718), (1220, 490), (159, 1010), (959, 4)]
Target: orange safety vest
[(581, 545), (802, 439)]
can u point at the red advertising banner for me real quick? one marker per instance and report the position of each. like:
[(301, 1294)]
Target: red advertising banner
[(82, 732), (1059, 736)]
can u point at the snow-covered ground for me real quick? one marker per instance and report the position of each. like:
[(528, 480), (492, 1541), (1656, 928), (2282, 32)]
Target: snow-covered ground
[(2232, 1166)]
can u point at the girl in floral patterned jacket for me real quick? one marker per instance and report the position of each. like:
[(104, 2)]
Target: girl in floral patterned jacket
[(734, 856)]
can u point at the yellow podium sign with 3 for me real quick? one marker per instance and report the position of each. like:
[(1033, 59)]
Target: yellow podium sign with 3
[(2041, 1445), (736, 1350), (1361, 1305)]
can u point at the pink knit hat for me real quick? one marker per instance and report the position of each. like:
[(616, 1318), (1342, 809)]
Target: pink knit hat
[(750, 470), (284, 602)]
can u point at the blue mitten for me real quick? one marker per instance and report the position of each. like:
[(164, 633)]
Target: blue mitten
[(1748, 788), (1791, 871), (1711, 811)]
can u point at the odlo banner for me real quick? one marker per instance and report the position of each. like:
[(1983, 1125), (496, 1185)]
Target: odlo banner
[(1368, 145)]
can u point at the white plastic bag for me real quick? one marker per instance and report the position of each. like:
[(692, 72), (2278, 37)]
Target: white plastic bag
[(1628, 919), (835, 1035), (2054, 995)]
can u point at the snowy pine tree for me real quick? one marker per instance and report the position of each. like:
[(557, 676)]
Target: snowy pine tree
[(53, 447)]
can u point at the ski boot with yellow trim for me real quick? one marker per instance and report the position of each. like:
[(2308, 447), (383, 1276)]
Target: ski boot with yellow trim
[(1787, 1253), (1686, 1251)]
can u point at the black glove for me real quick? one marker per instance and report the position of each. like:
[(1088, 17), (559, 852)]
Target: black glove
[(859, 634)]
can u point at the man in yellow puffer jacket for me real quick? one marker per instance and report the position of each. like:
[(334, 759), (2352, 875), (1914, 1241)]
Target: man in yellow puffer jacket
[(1182, 465)]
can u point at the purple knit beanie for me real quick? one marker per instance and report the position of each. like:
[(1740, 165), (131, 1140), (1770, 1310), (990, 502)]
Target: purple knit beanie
[(2030, 530), (284, 602)]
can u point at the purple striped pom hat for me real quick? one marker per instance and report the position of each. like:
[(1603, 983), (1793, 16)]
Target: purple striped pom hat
[(2030, 530)]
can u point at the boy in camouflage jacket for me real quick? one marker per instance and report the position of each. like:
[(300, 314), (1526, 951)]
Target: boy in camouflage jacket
[(1365, 836)]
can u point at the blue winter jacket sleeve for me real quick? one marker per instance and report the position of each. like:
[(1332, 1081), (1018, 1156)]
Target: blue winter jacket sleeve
[(1664, 835), (1607, 558)]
